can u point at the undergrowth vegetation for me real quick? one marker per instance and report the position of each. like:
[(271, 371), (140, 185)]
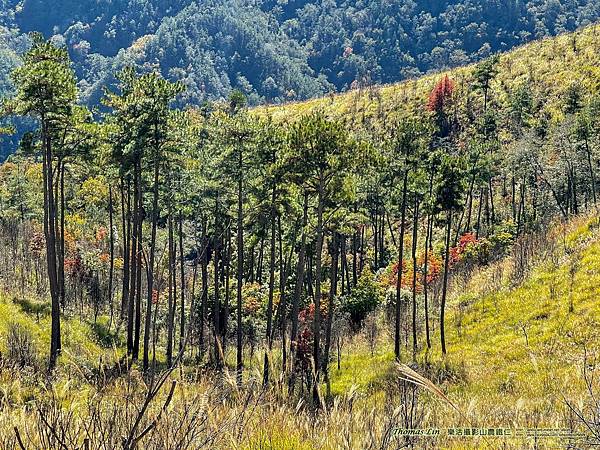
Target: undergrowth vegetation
[(518, 355)]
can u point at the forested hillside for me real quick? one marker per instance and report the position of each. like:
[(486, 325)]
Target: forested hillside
[(277, 51), (315, 275)]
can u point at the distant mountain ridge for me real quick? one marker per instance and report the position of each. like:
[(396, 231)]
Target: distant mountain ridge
[(279, 50)]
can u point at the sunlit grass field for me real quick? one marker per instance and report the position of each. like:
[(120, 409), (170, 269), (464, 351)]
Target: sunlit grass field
[(516, 355)]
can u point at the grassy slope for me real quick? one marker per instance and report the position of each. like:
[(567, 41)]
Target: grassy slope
[(517, 352), (551, 65), (522, 347), (84, 343)]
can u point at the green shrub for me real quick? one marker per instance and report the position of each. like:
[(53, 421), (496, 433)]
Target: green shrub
[(40, 309), (366, 296)]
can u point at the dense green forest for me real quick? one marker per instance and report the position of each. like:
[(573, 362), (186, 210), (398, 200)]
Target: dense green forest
[(275, 51), (237, 251)]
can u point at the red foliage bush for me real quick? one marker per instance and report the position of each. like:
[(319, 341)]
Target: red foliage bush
[(465, 241), (441, 95)]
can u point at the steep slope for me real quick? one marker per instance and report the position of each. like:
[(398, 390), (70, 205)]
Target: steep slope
[(522, 333), (546, 68)]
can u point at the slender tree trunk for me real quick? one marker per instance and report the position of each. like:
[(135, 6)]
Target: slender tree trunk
[(251, 266), (375, 224), (309, 275), (134, 262), (50, 235), (399, 274), (138, 272), (240, 269), (342, 266), (414, 278), (171, 312), (61, 240), (226, 308), (150, 269), (126, 230), (382, 237), (259, 265), (335, 248), (478, 227), (317, 315), (284, 266), (514, 199), (591, 169), (216, 300), (182, 289), (204, 275), (112, 252), (574, 184), (520, 208), (492, 208), (361, 259), (298, 291), (425, 275), (354, 259), (445, 281), (269, 333), (469, 208)]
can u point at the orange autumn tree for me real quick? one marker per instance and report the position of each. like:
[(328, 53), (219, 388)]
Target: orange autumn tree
[(434, 263)]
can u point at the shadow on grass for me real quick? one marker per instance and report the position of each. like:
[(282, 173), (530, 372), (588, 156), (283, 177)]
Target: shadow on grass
[(40, 309), (105, 336)]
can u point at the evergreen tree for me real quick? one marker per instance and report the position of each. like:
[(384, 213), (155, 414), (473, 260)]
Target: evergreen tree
[(46, 91)]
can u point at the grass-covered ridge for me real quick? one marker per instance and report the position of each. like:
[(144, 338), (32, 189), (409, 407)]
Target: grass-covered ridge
[(549, 66)]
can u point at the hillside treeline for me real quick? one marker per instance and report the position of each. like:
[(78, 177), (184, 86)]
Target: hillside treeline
[(202, 233)]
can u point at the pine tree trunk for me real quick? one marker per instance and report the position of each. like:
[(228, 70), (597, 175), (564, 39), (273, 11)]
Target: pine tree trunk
[(317, 315), (182, 288), (204, 276), (425, 275), (414, 278), (61, 240), (126, 230), (216, 301), (170, 314), (112, 252), (138, 273), (298, 292), (240, 270), (445, 281), (150, 268), (134, 263), (399, 274), (226, 308), (591, 169), (335, 248), (50, 235), (269, 333)]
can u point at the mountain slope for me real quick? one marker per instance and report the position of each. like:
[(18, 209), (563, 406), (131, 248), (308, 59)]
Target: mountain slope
[(518, 341), (546, 68)]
